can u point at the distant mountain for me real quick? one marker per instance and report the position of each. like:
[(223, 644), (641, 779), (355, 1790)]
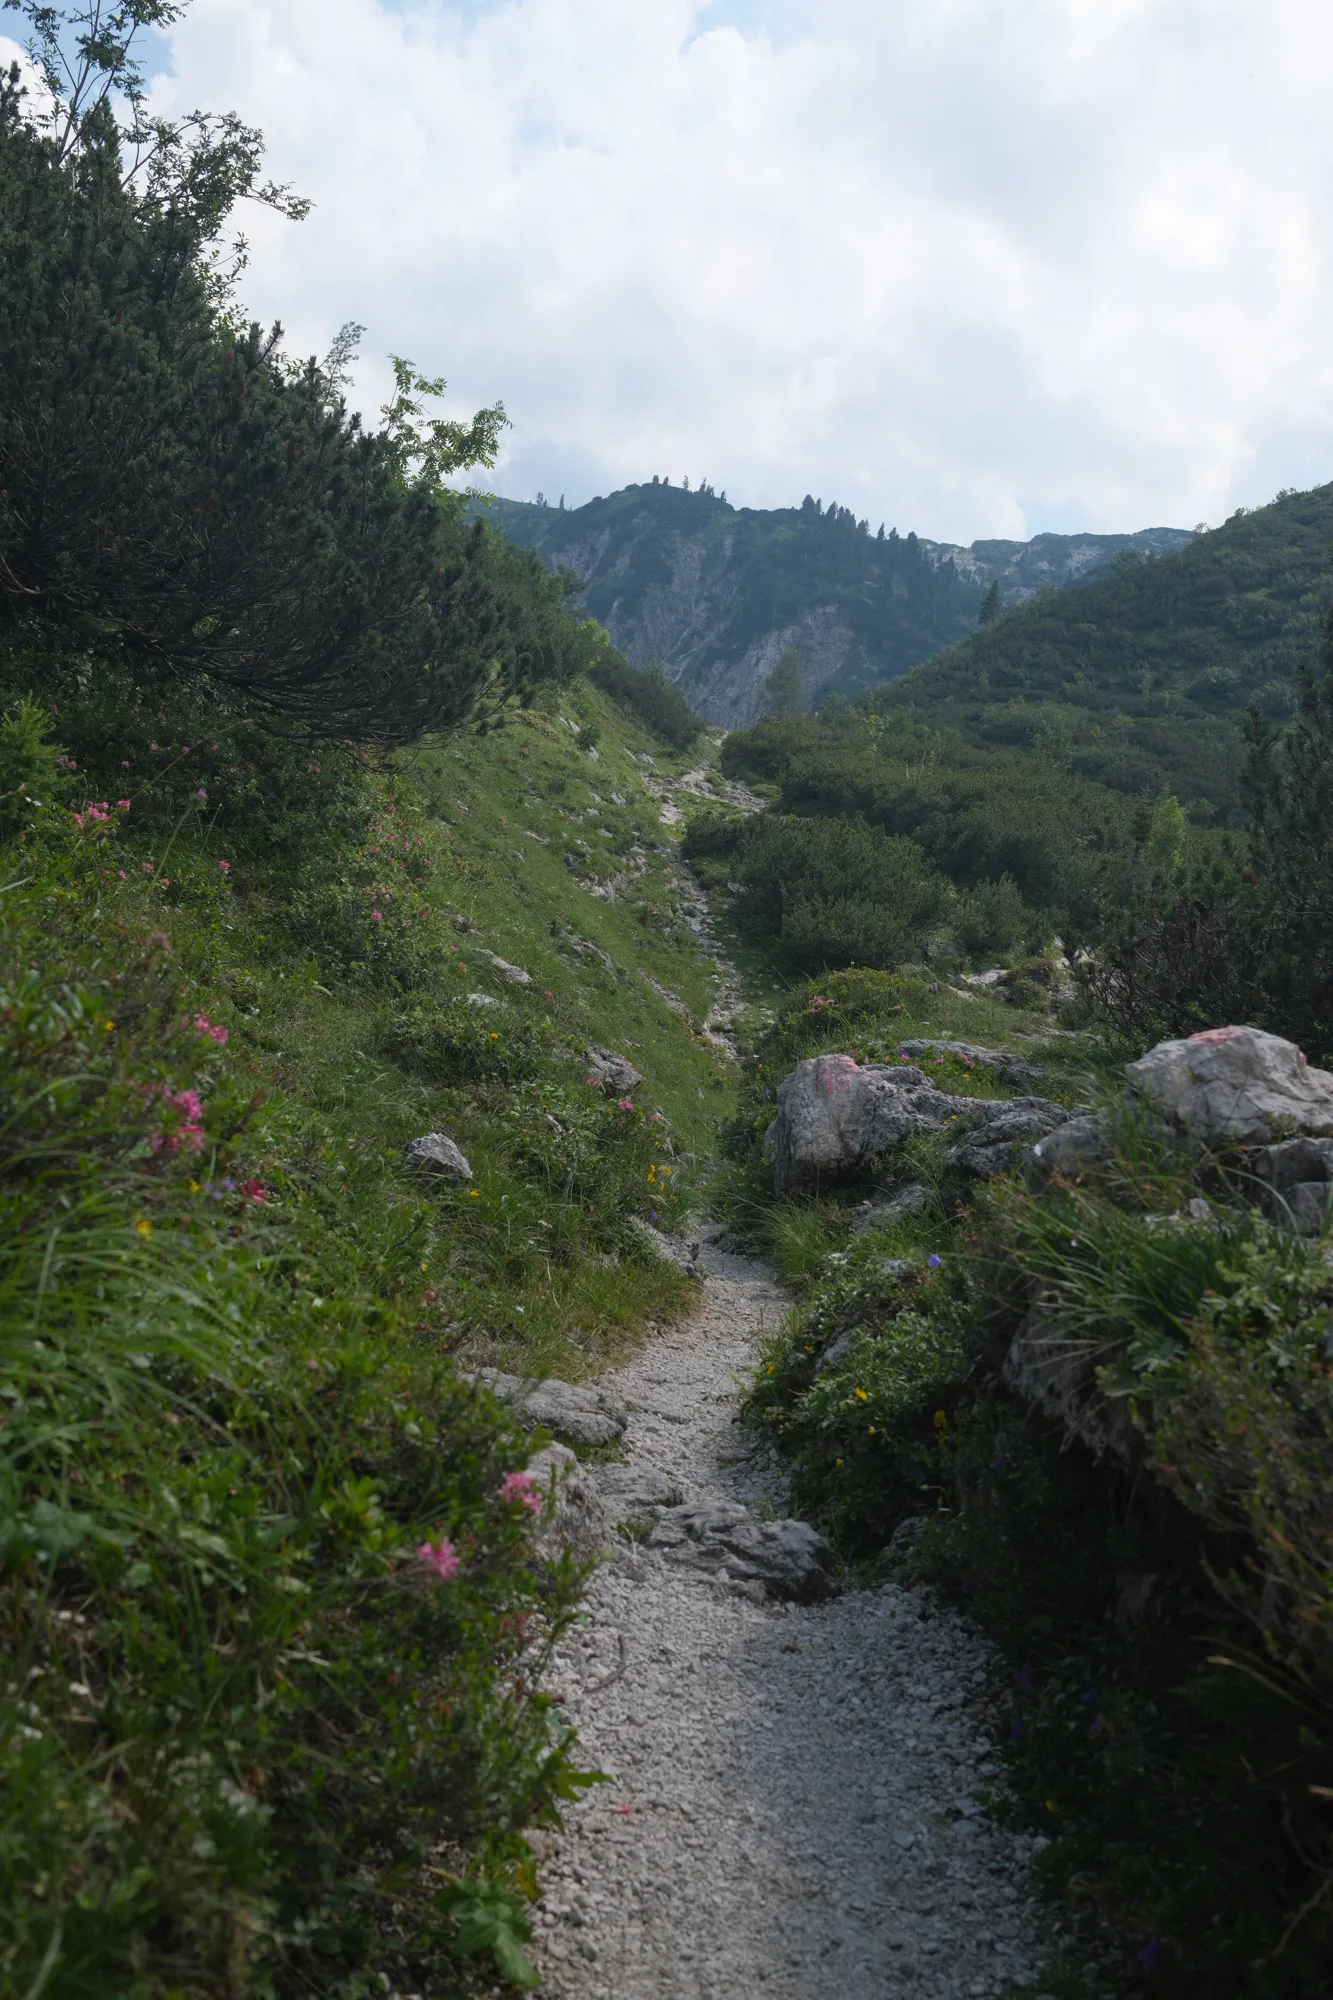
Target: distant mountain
[(1142, 679), (714, 592)]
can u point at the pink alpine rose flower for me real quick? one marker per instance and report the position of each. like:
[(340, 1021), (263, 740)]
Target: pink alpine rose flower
[(442, 1559), (522, 1487)]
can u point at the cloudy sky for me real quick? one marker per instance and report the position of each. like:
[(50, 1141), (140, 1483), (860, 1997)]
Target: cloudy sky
[(973, 267)]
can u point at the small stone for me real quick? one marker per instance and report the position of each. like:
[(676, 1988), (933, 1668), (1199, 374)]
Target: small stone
[(611, 1071), (482, 1000), (437, 1153)]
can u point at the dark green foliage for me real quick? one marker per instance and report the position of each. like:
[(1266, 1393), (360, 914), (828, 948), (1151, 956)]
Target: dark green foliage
[(175, 491), (1151, 669), (784, 690), (648, 694), (992, 917), (1063, 843), (835, 892), (992, 604), (1248, 937)]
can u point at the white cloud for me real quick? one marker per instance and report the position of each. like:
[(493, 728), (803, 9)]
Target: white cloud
[(970, 266)]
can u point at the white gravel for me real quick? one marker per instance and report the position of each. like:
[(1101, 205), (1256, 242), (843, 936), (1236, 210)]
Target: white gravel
[(792, 1807)]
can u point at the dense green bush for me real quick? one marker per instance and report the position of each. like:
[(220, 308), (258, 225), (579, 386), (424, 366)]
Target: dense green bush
[(1249, 936), (836, 892), (647, 693), (175, 490)]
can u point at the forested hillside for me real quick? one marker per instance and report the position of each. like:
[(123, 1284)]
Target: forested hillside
[(1142, 679), (714, 592)]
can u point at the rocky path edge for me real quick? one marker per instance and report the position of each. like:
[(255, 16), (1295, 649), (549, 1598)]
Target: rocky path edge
[(792, 1797)]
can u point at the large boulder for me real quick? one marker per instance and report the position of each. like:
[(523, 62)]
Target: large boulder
[(578, 1411), (834, 1117), (1234, 1087), (774, 1558)]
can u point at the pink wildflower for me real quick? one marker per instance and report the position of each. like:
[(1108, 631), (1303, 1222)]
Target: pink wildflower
[(121, 873), (624, 1104), (124, 805), (442, 1559), (190, 1132), (253, 1190), (152, 746), (124, 763), (520, 1486), (376, 917), (147, 867), (225, 866), (201, 793)]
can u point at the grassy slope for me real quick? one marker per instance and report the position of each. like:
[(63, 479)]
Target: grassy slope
[(489, 1293)]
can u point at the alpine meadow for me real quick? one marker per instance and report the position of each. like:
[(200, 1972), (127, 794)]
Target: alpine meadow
[(666, 1313)]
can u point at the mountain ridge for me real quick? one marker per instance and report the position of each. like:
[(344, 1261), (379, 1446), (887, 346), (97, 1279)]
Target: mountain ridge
[(714, 592)]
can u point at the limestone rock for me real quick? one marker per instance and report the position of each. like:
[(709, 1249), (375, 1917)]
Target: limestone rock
[(482, 1000), (990, 1148), (1297, 1177), (1071, 1150), (719, 1539), (575, 1516), (514, 974), (834, 1117), (1234, 1086), (437, 1153), (839, 1350), (611, 1071), (580, 1412), (1057, 1370), (635, 1495)]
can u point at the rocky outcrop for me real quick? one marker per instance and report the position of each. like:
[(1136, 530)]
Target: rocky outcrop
[(836, 1117), (1009, 1068), (574, 1513), (636, 1495)]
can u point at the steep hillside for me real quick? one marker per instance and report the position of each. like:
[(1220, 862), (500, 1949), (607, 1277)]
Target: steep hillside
[(1142, 678), (715, 592)]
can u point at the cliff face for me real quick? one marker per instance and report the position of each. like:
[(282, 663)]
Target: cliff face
[(715, 592)]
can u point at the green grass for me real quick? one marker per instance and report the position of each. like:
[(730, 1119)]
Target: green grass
[(247, 1742)]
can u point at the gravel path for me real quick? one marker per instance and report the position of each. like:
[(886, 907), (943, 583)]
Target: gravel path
[(792, 1807)]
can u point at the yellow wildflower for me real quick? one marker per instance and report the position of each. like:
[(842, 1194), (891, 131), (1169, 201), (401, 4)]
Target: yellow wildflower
[(144, 1227)]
